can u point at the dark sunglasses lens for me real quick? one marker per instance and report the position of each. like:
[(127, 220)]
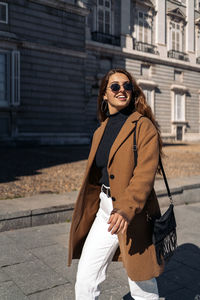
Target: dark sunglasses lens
[(115, 87), (128, 86)]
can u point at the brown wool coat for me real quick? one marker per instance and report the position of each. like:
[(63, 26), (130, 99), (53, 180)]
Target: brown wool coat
[(133, 197)]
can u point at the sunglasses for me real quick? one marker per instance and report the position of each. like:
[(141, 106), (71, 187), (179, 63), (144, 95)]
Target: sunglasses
[(115, 87)]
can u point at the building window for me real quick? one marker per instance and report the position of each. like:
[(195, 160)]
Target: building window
[(176, 37), (144, 28), (4, 79), (3, 12), (9, 78), (149, 95), (104, 13), (179, 107), (145, 70), (15, 99), (178, 76)]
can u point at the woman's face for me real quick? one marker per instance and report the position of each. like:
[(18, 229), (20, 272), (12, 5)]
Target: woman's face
[(118, 99)]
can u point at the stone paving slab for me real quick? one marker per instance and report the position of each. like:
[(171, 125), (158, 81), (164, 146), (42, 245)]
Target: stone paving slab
[(61, 292), (9, 291), (12, 253), (40, 271), (54, 256), (39, 238), (3, 276), (34, 276)]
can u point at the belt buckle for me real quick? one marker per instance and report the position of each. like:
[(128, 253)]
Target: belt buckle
[(107, 192)]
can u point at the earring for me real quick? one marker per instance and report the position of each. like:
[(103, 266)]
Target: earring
[(104, 105)]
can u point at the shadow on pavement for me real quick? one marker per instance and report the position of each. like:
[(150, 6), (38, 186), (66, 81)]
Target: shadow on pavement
[(181, 279), (25, 161)]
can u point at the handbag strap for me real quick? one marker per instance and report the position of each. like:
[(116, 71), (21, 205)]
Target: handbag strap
[(160, 163), (165, 180)]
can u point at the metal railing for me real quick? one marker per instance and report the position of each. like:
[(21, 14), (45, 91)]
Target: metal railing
[(145, 47), (178, 55), (105, 38)]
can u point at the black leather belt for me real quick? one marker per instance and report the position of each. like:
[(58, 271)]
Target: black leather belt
[(105, 190)]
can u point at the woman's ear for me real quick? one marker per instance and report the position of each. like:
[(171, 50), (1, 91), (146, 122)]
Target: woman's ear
[(105, 97)]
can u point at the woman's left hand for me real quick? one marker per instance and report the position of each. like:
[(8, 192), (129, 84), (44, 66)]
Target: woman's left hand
[(117, 224)]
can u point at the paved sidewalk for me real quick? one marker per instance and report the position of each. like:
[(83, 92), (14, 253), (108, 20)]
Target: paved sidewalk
[(33, 264), (55, 208)]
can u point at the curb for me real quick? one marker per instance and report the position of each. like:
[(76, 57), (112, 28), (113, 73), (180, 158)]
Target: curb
[(36, 217), (45, 212)]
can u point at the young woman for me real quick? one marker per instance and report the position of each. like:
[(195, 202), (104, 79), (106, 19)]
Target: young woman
[(115, 205)]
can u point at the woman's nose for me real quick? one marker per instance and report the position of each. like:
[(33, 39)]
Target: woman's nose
[(122, 89)]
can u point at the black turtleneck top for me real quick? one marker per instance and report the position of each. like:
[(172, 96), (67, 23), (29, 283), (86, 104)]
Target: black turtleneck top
[(111, 131)]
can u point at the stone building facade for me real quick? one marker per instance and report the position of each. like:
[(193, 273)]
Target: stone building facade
[(159, 43), (54, 53), (42, 71)]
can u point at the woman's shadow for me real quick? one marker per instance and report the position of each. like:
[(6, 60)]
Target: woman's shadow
[(181, 278)]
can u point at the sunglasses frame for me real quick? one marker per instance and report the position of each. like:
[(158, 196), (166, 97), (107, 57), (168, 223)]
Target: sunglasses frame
[(129, 84)]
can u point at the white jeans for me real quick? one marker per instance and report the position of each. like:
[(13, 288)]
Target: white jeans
[(97, 253)]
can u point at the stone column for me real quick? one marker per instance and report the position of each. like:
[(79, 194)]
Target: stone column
[(190, 32), (126, 39), (161, 22), (161, 27)]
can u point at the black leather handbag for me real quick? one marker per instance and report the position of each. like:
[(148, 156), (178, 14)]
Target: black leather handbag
[(164, 228)]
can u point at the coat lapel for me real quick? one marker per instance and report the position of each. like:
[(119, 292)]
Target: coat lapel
[(125, 131), (96, 141)]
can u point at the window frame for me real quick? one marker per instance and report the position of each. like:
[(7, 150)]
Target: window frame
[(6, 102), (6, 5), (152, 95), (175, 31), (104, 9), (15, 79), (175, 108), (149, 28), (12, 77)]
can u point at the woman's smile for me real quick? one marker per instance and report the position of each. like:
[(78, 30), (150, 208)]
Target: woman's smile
[(118, 93), (121, 97)]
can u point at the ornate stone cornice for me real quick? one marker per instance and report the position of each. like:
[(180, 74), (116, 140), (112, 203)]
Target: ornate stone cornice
[(146, 82), (177, 15), (146, 3), (178, 87)]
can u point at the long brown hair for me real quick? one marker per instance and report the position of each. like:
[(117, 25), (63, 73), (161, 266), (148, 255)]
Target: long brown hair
[(138, 99)]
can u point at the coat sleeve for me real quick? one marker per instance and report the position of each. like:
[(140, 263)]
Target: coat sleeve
[(133, 199)]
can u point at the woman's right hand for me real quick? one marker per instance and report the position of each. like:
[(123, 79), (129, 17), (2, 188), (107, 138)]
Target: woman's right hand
[(117, 224)]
